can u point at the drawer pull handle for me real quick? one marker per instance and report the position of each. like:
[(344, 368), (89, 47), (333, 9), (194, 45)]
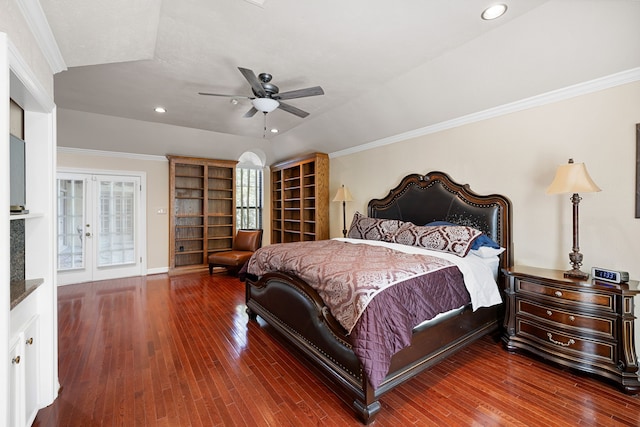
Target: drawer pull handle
[(549, 313), (558, 293), (29, 341), (567, 344), (572, 318), (16, 360)]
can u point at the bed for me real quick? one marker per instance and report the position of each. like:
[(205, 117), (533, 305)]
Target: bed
[(300, 316)]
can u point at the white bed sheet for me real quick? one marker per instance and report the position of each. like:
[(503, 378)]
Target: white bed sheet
[(479, 273)]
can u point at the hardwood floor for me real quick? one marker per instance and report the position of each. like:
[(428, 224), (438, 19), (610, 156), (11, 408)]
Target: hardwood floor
[(179, 351)]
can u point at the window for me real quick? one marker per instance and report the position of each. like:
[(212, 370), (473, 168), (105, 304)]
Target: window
[(249, 192)]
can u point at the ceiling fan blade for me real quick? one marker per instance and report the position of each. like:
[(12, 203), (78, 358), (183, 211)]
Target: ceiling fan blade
[(226, 96), (300, 93), (252, 112), (293, 110), (253, 81)]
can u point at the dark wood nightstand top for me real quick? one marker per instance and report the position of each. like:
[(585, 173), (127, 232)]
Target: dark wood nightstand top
[(557, 276)]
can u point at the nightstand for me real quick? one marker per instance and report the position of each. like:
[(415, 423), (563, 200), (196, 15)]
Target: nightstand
[(585, 325)]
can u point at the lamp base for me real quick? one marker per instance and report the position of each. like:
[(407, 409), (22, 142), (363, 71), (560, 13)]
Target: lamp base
[(576, 274)]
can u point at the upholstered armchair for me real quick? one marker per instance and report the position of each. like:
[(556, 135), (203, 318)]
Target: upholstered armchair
[(245, 244)]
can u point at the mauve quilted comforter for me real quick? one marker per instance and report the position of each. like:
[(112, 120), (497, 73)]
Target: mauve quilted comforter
[(385, 326), (378, 295)]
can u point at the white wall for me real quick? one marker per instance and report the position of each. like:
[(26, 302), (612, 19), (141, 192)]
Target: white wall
[(516, 155)]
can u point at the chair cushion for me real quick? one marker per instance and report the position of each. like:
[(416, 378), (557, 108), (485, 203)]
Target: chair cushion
[(231, 258), (247, 240)]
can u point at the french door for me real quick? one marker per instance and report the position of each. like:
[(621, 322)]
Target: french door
[(99, 227)]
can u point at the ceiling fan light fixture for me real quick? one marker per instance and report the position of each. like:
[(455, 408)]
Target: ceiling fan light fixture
[(266, 105)]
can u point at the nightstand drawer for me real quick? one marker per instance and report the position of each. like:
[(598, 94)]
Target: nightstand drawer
[(593, 299), (583, 348), (584, 323)]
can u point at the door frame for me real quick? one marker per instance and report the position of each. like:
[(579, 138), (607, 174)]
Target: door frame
[(141, 218)]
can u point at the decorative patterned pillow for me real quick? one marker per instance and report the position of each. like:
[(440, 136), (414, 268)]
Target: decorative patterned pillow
[(363, 227), (453, 239), (482, 241)]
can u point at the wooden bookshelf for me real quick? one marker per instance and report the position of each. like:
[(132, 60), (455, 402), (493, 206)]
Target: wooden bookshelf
[(300, 199), (201, 210)]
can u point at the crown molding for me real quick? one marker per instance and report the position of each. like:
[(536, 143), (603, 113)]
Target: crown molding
[(621, 78), (116, 154), (39, 26), (25, 87)]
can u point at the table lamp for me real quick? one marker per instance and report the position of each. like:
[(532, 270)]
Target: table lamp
[(573, 178), (343, 195)]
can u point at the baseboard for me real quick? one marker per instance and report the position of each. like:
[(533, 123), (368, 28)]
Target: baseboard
[(159, 270)]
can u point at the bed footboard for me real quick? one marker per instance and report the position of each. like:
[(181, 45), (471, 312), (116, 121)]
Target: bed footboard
[(296, 311)]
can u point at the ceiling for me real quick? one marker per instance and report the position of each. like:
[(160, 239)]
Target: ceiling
[(386, 67)]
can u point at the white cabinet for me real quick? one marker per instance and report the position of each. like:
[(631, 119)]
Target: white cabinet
[(31, 340), (23, 375), (15, 382)]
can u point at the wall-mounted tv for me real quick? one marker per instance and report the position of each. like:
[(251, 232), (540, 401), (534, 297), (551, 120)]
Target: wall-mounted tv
[(17, 176)]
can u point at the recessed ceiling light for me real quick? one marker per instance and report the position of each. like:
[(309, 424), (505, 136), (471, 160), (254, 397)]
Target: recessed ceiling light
[(257, 2), (274, 130), (160, 110), (494, 11)]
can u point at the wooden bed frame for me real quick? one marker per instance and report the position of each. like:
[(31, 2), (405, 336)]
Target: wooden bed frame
[(296, 311)]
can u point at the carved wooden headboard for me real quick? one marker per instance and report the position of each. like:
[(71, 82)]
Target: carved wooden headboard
[(422, 199)]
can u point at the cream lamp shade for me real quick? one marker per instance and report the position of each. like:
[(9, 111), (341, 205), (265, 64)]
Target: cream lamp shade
[(572, 178), (343, 195)]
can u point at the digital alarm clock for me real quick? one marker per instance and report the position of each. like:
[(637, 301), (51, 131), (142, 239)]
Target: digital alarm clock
[(609, 275)]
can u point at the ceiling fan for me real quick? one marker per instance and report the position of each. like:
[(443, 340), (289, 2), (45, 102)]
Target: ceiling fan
[(267, 95)]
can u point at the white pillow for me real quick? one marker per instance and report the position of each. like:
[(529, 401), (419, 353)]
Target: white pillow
[(486, 252)]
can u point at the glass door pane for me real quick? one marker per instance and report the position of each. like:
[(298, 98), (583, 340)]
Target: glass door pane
[(116, 231), (71, 221)]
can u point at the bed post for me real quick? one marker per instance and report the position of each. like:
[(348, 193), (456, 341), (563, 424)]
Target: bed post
[(368, 409)]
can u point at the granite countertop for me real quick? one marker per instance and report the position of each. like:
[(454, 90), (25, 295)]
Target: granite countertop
[(20, 289)]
